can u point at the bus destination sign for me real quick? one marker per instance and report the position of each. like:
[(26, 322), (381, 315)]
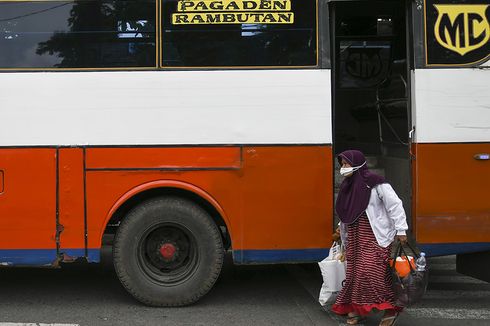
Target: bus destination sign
[(204, 12)]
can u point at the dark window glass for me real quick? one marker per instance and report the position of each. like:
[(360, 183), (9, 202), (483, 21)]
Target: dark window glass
[(77, 34), (244, 33)]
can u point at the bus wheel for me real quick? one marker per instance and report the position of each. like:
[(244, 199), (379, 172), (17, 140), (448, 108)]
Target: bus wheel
[(168, 252)]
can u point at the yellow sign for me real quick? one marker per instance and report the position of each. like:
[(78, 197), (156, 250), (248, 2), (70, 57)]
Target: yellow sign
[(194, 12), (462, 28), (233, 5)]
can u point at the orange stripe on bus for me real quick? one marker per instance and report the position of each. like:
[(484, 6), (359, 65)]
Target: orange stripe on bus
[(452, 193)]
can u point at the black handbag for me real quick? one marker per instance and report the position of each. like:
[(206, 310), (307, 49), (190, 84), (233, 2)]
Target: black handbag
[(409, 289)]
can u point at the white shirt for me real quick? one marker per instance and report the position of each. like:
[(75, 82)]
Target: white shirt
[(386, 216)]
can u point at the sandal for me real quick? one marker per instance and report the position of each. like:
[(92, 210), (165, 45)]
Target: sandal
[(354, 319), (393, 319)]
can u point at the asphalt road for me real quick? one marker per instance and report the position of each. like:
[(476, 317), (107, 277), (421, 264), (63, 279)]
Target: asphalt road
[(247, 295), (92, 295)]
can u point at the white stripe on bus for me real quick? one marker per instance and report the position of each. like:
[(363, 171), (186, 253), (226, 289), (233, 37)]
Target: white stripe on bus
[(166, 107), (452, 105)]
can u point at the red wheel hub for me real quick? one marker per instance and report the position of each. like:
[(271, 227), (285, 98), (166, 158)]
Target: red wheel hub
[(167, 250)]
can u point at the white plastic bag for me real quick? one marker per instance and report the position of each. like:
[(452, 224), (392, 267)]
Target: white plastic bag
[(333, 272)]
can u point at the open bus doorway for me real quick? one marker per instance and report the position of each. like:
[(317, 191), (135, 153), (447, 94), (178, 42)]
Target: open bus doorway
[(371, 88)]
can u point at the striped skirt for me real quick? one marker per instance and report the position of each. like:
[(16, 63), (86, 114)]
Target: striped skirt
[(368, 283)]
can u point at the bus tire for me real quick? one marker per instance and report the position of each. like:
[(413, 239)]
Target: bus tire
[(168, 252)]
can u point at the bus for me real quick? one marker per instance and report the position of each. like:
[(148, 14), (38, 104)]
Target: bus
[(177, 130)]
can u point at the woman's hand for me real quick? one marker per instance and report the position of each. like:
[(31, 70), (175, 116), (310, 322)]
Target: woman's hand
[(336, 235), (402, 239)]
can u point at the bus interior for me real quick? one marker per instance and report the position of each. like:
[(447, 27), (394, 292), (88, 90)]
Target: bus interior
[(371, 88)]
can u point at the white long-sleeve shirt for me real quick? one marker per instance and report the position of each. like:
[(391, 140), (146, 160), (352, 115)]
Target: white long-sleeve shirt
[(386, 216)]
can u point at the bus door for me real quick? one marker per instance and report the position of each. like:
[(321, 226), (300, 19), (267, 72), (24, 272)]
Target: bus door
[(371, 87), (27, 206)]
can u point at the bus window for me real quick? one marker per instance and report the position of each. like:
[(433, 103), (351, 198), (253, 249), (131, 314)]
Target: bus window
[(239, 33), (77, 34)]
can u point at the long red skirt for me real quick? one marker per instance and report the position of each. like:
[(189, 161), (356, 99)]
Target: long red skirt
[(368, 283)]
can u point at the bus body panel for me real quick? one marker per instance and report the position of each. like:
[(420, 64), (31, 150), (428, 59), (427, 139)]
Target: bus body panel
[(179, 158), (452, 197), (294, 221), (264, 225), (201, 123), (28, 206), (167, 107), (451, 105), (452, 119), (71, 201)]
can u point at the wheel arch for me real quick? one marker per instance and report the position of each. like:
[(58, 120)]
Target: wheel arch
[(153, 189)]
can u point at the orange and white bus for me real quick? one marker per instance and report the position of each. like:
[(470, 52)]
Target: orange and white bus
[(176, 130)]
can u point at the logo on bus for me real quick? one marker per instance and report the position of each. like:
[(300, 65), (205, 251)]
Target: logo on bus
[(457, 32), (462, 28), (363, 65)]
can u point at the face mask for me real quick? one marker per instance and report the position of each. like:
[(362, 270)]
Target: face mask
[(345, 171)]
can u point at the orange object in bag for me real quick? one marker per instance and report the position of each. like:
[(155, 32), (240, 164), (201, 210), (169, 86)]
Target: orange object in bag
[(402, 266)]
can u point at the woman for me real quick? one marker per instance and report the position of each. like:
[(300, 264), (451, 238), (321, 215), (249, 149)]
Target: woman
[(371, 216)]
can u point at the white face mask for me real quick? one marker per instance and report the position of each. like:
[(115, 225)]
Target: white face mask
[(346, 171)]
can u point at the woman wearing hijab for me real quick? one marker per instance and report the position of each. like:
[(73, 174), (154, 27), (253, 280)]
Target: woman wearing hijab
[(371, 216)]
